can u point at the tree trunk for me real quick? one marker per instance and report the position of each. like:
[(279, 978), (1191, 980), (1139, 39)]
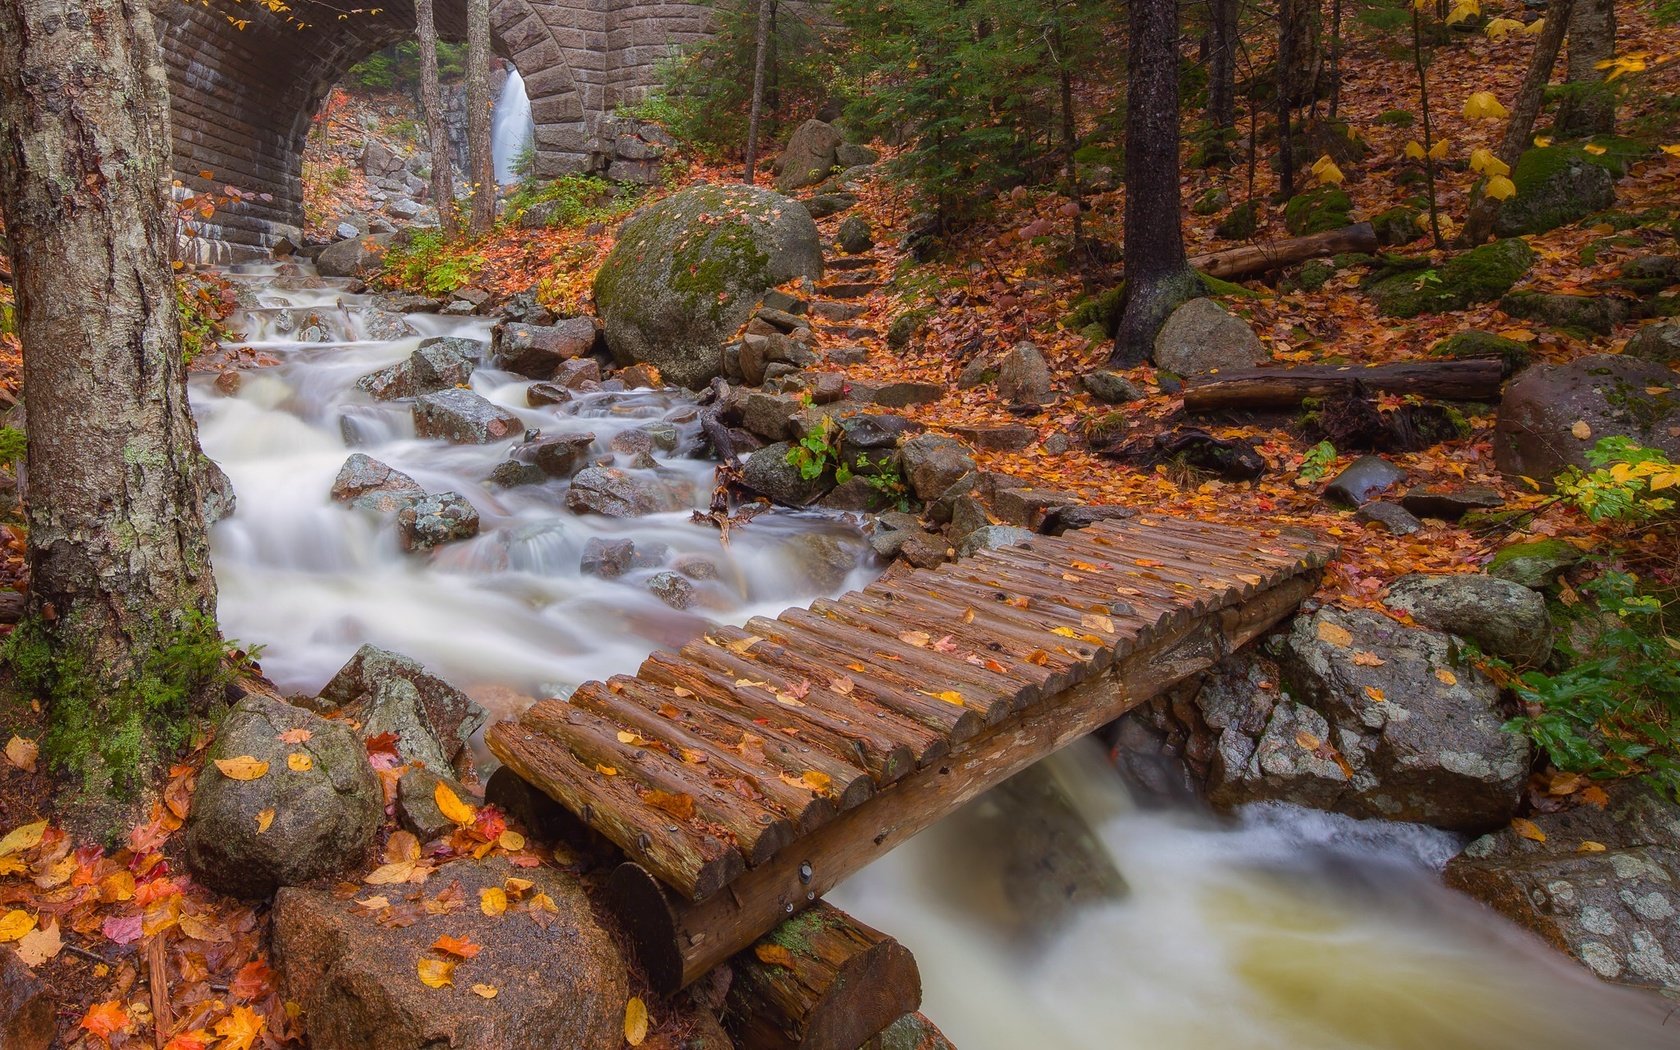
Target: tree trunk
[(1285, 102), (1300, 51), (1477, 379), (118, 556), (761, 55), (1335, 58), (437, 132), (1070, 136), (482, 171), (1158, 279), (1526, 107), (1428, 129), (1222, 63), (1589, 106)]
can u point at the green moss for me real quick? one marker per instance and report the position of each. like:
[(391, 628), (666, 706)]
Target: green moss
[(1556, 185), (1396, 118), (1537, 563), (114, 738), (1227, 289), (1100, 310), (1475, 276), (1397, 225), (1241, 222), (704, 269), (1314, 274), (1469, 344), (1209, 201), (1318, 210)]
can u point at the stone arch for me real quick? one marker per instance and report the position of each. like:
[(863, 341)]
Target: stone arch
[(241, 100)]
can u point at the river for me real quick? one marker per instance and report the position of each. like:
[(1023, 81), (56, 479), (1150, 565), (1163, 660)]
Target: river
[(1281, 928)]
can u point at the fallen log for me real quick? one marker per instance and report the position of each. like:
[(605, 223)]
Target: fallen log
[(820, 981), (1476, 379), (910, 1032), (1251, 259)]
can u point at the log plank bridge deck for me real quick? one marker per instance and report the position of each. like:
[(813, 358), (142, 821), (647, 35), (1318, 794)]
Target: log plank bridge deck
[(754, 770)]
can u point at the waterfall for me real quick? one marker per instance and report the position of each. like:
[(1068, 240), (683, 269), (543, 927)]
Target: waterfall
[(511, 127)]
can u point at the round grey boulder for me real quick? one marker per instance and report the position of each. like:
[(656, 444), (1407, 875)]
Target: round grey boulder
[(1505, 619), (1202, 336), (688, 271), (323, 817)]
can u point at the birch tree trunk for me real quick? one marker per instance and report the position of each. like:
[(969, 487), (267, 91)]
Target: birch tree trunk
[(761, 56), (118, 555), (481, 165), (1158, 279), (437, 132)]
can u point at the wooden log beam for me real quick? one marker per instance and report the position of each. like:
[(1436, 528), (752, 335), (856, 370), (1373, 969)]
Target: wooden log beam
[(678, 942), (1476, 379), (820, 981), (1251, 259)]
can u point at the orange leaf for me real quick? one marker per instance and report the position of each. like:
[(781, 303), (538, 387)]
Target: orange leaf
[(1528, 829), (105, 1019), (774, 954), (680, 806), (463, 947)]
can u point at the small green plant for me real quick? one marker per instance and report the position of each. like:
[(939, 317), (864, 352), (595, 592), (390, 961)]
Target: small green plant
[(13, 443), (883, 476), (1318, 461), (203, 303), (1623, 484), (1614, 710), (570, 200), (431, 263), (817, 452)]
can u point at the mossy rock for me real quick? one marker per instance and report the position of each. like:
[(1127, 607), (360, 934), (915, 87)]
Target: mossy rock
[(1556, 185), (1473, 344), (1318, 210), (1210, 200), (1598, 314), (1241, 222), (1101, 311), (1536, 564), (1397, 225), (1226, 289), (1475, 276), (1618, 154), (688, 271), (1396, 118), (1314, 274)]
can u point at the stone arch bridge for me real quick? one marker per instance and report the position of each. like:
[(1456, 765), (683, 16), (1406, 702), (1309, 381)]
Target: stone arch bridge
[(242, 99)]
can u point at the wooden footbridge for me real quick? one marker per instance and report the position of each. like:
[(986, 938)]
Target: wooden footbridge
[(754, 770)]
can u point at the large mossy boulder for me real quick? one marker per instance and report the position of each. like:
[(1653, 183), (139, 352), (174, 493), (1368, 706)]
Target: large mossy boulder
[(1598, 314), (1475, 276), (1472, 343), (1317, 210), (688, 271), (1552, 415), (1556, 185)]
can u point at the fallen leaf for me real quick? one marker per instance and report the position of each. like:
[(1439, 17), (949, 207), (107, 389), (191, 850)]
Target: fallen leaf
[(635, 1021), (1368, 660), (1334, 634), (1589, 846), (239, 1029), (375, 903), (461, 947), (1445, 677), (1528, 829), (390, 874), (1595, 796), (842, 685), (451, 806), (298, 762), (20, 839), (916, 638), (1095, 622), (1376, 695), (37, 946), (951, 696), (606, 771), (295, 736), (1582, 429), (15, 924), (22, 753), (492, 900), (774, 954), (244, 767), (512, 841), (679, 805), (484, 991), (265, 819), (105, 1019), (1307, 741), (436, 973)]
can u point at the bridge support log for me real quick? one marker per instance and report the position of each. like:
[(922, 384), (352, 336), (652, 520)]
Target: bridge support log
[(820, 981), (679, 941)]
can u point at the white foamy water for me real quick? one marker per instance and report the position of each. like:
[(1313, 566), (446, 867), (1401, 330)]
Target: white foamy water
[(312, 579), (511, 129), (1288, 930)]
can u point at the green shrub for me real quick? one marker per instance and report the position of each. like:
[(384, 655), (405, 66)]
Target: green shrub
[(1622, 484), (569, 200), (429, 262)]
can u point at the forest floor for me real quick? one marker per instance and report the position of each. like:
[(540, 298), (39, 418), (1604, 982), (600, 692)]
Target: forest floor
[(85, 914)]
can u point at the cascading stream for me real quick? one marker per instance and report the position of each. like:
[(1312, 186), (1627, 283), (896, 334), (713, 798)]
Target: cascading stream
[(1085, 924)]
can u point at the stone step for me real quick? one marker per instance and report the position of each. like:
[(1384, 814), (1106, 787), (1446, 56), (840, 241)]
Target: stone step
[(848, 291), (852, 333), (851, 262), (828, 310)]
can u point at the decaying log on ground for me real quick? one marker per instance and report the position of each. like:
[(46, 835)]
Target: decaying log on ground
[(1250, 259), (910, 1032), (1476, 379), (820, 981)]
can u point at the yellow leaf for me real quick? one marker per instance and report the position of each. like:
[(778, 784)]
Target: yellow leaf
[(390, 874), (1335, 634), (1439, 150), (1498, 28), (1096, 622), (436, 973), (1589, 846), (517, 886), (15, 924), (492, 901), (626, 737), (741, 645), (1463, 10), (1581, 430), (1484, 161), (916, 638), (20, 839), (22, 753), (1308, 741), (1368, 660), (402, 845), (816, 781), (842, 685), (1528, 829), (484, 991), (1445, 677), (1534, 27), (1482, 105), (512, 841), (1414, 150), (37, 946), (1375, 694), (1672, 151), (451, 806), (606, 771), (244, 767), (950, 696), (1594, 148), (298, 762), (635, 1021), (1066, 632), (264, 819), (1500, 188), (1324, 169)]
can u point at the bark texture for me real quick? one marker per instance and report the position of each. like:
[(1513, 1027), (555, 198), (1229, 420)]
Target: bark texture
[(437, 131), (1222, 64), (1158, 279), (1589, 108), (117, 548), (761, 57), (479, 159), (1524, 109)]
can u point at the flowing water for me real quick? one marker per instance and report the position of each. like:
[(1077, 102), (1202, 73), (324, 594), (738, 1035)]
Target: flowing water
[(1285, 929), (511, 129)]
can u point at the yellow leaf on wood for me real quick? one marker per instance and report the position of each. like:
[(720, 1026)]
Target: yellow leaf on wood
[(774, 954)]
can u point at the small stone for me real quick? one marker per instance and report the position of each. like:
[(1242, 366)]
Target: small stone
[(1391, 516), (1362, 480), (1023, 376), (906, 393), (855, 235), (1202, 336), (417, 808), (607, 558), (672, 589), (1450, 502), (1110, 387), (1505, 619), (434, 519), (618, 494), (463, 417), (991, 537), (362, 475), (1535, 564), (535, 351)]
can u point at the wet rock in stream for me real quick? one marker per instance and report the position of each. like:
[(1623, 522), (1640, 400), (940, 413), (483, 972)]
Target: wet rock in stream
[(464, 418)]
